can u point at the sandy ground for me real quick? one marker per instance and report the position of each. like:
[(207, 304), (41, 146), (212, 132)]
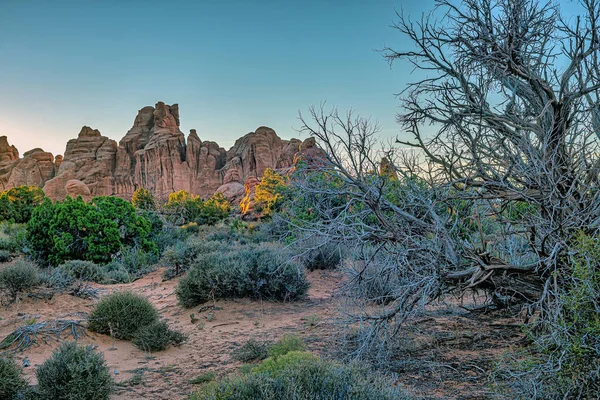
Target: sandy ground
[(166, 374), (447, 354)]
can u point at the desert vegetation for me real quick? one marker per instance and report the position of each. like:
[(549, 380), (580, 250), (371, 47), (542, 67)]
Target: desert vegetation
[(484, 226)]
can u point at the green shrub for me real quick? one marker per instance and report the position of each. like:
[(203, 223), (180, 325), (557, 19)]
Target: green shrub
[(564, 359), (299, 375), (184, 207), (204, 378), (17, 204), (156, 337), (286, 344), (11, 379), (84, 270), (95, 231), (74, 372), (269, 194), (143, 199), (122, 314), (58, 278), (13, 237), (180, 257), (250, 271), (213, 210), (135, 261), (116, 273), (251, 351), (18, 277)]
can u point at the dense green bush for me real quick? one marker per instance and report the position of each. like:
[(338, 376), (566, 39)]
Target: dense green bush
[(213, 210), (184, 207), (299, 375), (12, 382), (121, 315), (74, 372), (247, 271), (252, 350), (94, 231), (17, 204), (182, 255), (156, 337), (18, 277), (286, 344), (84, 270)]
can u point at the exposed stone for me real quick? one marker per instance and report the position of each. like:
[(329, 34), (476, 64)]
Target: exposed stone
[(7, 151), (75, 188), (90, 159), (154, 154), (35, 168)]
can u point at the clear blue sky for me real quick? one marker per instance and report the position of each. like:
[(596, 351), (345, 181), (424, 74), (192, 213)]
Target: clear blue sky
[(231, 65)]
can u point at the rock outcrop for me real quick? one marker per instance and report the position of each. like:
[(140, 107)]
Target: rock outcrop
[(153, 154), (35, 168), (90, 158)]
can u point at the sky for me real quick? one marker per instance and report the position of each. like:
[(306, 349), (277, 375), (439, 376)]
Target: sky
[(231, 65)]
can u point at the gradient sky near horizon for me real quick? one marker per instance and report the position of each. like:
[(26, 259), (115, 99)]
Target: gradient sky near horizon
[(231, 65)]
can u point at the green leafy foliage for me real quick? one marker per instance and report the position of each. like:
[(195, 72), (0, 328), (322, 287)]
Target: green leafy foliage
[(245, 271), (74, 372), (12, 382), (156, 337), (95, 231), (121, 315), (19, 277), (17, 204), (300, 375)]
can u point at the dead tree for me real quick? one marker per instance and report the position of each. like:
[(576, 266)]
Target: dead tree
[(508, 117)]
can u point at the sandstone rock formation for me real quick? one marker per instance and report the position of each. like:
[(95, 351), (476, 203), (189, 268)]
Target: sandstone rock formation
[(90, 159), (154, 154), (35, 168)]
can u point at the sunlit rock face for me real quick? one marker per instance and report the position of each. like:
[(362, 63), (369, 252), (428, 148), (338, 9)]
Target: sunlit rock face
[(154, 154), (90, 159)]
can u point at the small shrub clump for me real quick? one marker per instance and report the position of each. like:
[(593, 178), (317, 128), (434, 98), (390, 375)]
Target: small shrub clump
[(84, 270), (12, 382), (252, 350), (301, 375), (74, 372), (19, 277), (156, 337), (286, 344), (204, 378), (121, 315), (251, 271)]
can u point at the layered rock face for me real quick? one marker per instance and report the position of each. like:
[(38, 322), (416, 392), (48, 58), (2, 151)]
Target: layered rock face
[(154, 154)]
